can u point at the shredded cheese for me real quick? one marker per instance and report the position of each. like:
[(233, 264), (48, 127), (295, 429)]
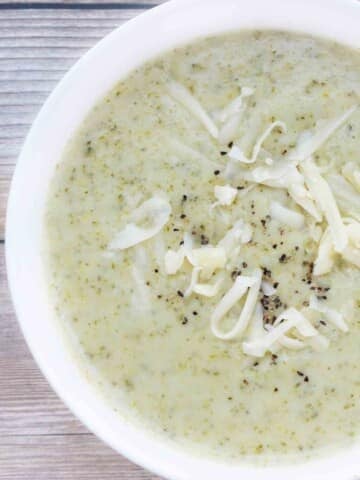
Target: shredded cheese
[(324, 198), (207, 289), (230, 117), (309, 143), (237, 154), (241, 285), (235, 106), (286, 215), (301, 195), (256, 328), (240, 233), (225, 195), (208, 259), (182, 95), (302, 178), (286, 342), (267, 288), (187, 153), (304, 326), (351, 172), (331, 315), (193, 281), (291, 343), (346, 195), (156, 210), (325, 257), (351, 253), (174, 260), (283, 175), (287, 320), (315, 231)]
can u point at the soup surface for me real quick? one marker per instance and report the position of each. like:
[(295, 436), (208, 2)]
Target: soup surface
[(202, 243)]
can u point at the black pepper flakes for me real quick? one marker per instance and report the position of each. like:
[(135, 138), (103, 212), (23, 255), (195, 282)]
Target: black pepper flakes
[(216, 172), (283, 258), (266, 272), (184, 321), (204, 239), (235, 273), (180, 293)]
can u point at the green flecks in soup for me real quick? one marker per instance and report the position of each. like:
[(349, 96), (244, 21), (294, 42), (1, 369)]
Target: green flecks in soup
[(256, 134)]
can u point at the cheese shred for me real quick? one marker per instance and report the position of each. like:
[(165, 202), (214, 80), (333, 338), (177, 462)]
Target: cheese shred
[(155, 211), (182, 95), (324, 198), (241, 285)]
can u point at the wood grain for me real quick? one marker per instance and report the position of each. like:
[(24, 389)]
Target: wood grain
[(39, 438), (70, 457)]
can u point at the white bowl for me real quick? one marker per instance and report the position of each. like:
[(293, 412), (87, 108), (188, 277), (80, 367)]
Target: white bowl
[(160, 29)]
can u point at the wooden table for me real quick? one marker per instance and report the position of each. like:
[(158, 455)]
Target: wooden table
[(39, 438)]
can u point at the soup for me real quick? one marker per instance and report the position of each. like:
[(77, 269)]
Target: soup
[(202, 243)]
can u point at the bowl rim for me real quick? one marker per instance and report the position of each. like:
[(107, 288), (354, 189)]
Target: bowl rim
[(170, 24)]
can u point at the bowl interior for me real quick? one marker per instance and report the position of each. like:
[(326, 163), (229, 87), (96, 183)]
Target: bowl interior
[(174, 23)]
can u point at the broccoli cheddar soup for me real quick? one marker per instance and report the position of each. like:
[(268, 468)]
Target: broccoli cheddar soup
[(203, 246)]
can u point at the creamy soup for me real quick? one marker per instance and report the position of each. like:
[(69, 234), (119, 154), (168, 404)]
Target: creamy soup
[(202, 242)]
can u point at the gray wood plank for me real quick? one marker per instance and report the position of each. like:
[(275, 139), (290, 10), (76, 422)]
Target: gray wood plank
[(37, 47), (71, 457)]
